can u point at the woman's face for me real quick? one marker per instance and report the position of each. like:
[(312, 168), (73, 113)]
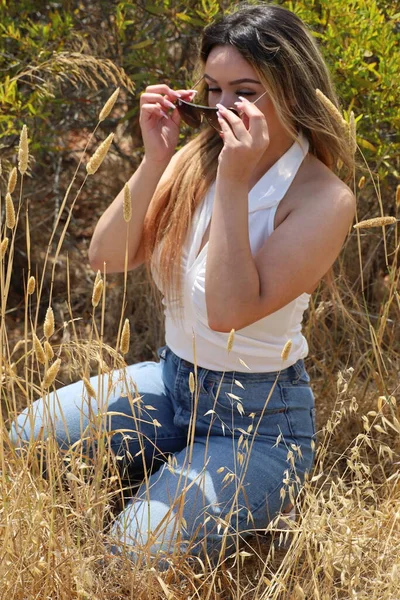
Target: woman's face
[(228, 75)]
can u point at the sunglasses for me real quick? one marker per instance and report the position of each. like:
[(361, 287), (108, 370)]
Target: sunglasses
[(194, 114)]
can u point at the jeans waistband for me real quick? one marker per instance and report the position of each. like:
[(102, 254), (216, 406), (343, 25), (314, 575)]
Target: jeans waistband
[(292, 373)]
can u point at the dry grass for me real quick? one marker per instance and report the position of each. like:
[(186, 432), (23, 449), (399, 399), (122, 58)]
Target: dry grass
[(54, 530)]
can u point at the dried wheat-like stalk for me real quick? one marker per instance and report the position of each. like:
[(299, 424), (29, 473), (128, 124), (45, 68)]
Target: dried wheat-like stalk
[(332, 110), (12, 180), (23, 151), (125, 337), (231, 339), (1, 168), (352, 133), (48, 326), (298, 593), (286, 350), (191, 382), (98, 277), (3, 247), (48, 350), (30, 288), (37, 346), (361, 183), (89, 388), (10, 212), (97, 292), (398, 196), (109, 105), (51, 373), (127, 206), (100, 154), (377, 222)]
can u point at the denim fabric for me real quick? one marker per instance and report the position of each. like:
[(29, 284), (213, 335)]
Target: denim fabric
[(233, 448)]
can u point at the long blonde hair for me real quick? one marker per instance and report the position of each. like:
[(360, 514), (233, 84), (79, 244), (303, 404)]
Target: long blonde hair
[(288, 62)]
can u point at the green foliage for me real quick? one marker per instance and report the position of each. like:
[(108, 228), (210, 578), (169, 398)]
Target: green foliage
[(61, 61), (360, 42)]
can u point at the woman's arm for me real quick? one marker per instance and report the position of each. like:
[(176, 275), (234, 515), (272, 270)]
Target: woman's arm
[(242, 288), (108, 243), (160, 132)]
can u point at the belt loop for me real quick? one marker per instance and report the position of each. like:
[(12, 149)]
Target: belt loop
[(298, 369)]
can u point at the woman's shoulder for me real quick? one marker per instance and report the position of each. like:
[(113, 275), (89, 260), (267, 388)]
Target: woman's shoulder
[(316, 185)]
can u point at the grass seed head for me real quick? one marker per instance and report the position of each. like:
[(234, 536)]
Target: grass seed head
[(51, 373), (98, 277), (377, 222), (398, 195), (332, 110), (48, 327), (125, 337), (48, 350), (352, 133), (97, 292), (31, 285), (231, 339), (12, 180), (286, 350), (127, 207), (23, 151), (89, 388), (361, 183), (3, 247), (191, 382), (38, 348), (109, 105), (100, 154), (10, 212)]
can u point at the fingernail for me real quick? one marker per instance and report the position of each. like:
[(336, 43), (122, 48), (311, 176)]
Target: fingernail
[(194, 91), (220, 106), (242, 99), (164, 114), (168, 103), (237, 103)]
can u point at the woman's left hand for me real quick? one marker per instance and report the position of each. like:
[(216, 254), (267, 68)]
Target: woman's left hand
[(245, 140)]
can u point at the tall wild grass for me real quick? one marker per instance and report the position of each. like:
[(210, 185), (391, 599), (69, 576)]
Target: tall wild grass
[(56, 507)]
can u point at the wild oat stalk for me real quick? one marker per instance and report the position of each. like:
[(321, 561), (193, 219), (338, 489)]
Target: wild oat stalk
[(30, 288), (332, 110), (12, 180), (97, 291), (51, 373), (109, 105), (23, 151), (37, 346), (376, 222), (231, 339), (125, 337), (286, 350), (3, 247), (100, 154), (127, 205), (48, 327), (10, 212)]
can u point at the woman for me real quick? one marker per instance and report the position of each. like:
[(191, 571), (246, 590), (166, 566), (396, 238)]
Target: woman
[(239, 226)]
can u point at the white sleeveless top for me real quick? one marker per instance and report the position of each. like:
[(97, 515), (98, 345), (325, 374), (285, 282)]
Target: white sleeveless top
[(260, 344)]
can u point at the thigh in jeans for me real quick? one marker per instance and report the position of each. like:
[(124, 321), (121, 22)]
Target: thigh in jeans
[(120, 410), (238, 477)]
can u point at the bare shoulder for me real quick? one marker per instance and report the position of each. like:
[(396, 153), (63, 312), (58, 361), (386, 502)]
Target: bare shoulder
[(317, 188)]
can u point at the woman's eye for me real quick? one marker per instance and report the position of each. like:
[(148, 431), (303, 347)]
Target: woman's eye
[(238, 93)]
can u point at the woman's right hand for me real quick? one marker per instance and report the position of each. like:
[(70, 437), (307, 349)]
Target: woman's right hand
[(160, 121)]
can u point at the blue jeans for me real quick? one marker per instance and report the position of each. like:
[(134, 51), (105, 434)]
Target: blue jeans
[(231, 454)]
